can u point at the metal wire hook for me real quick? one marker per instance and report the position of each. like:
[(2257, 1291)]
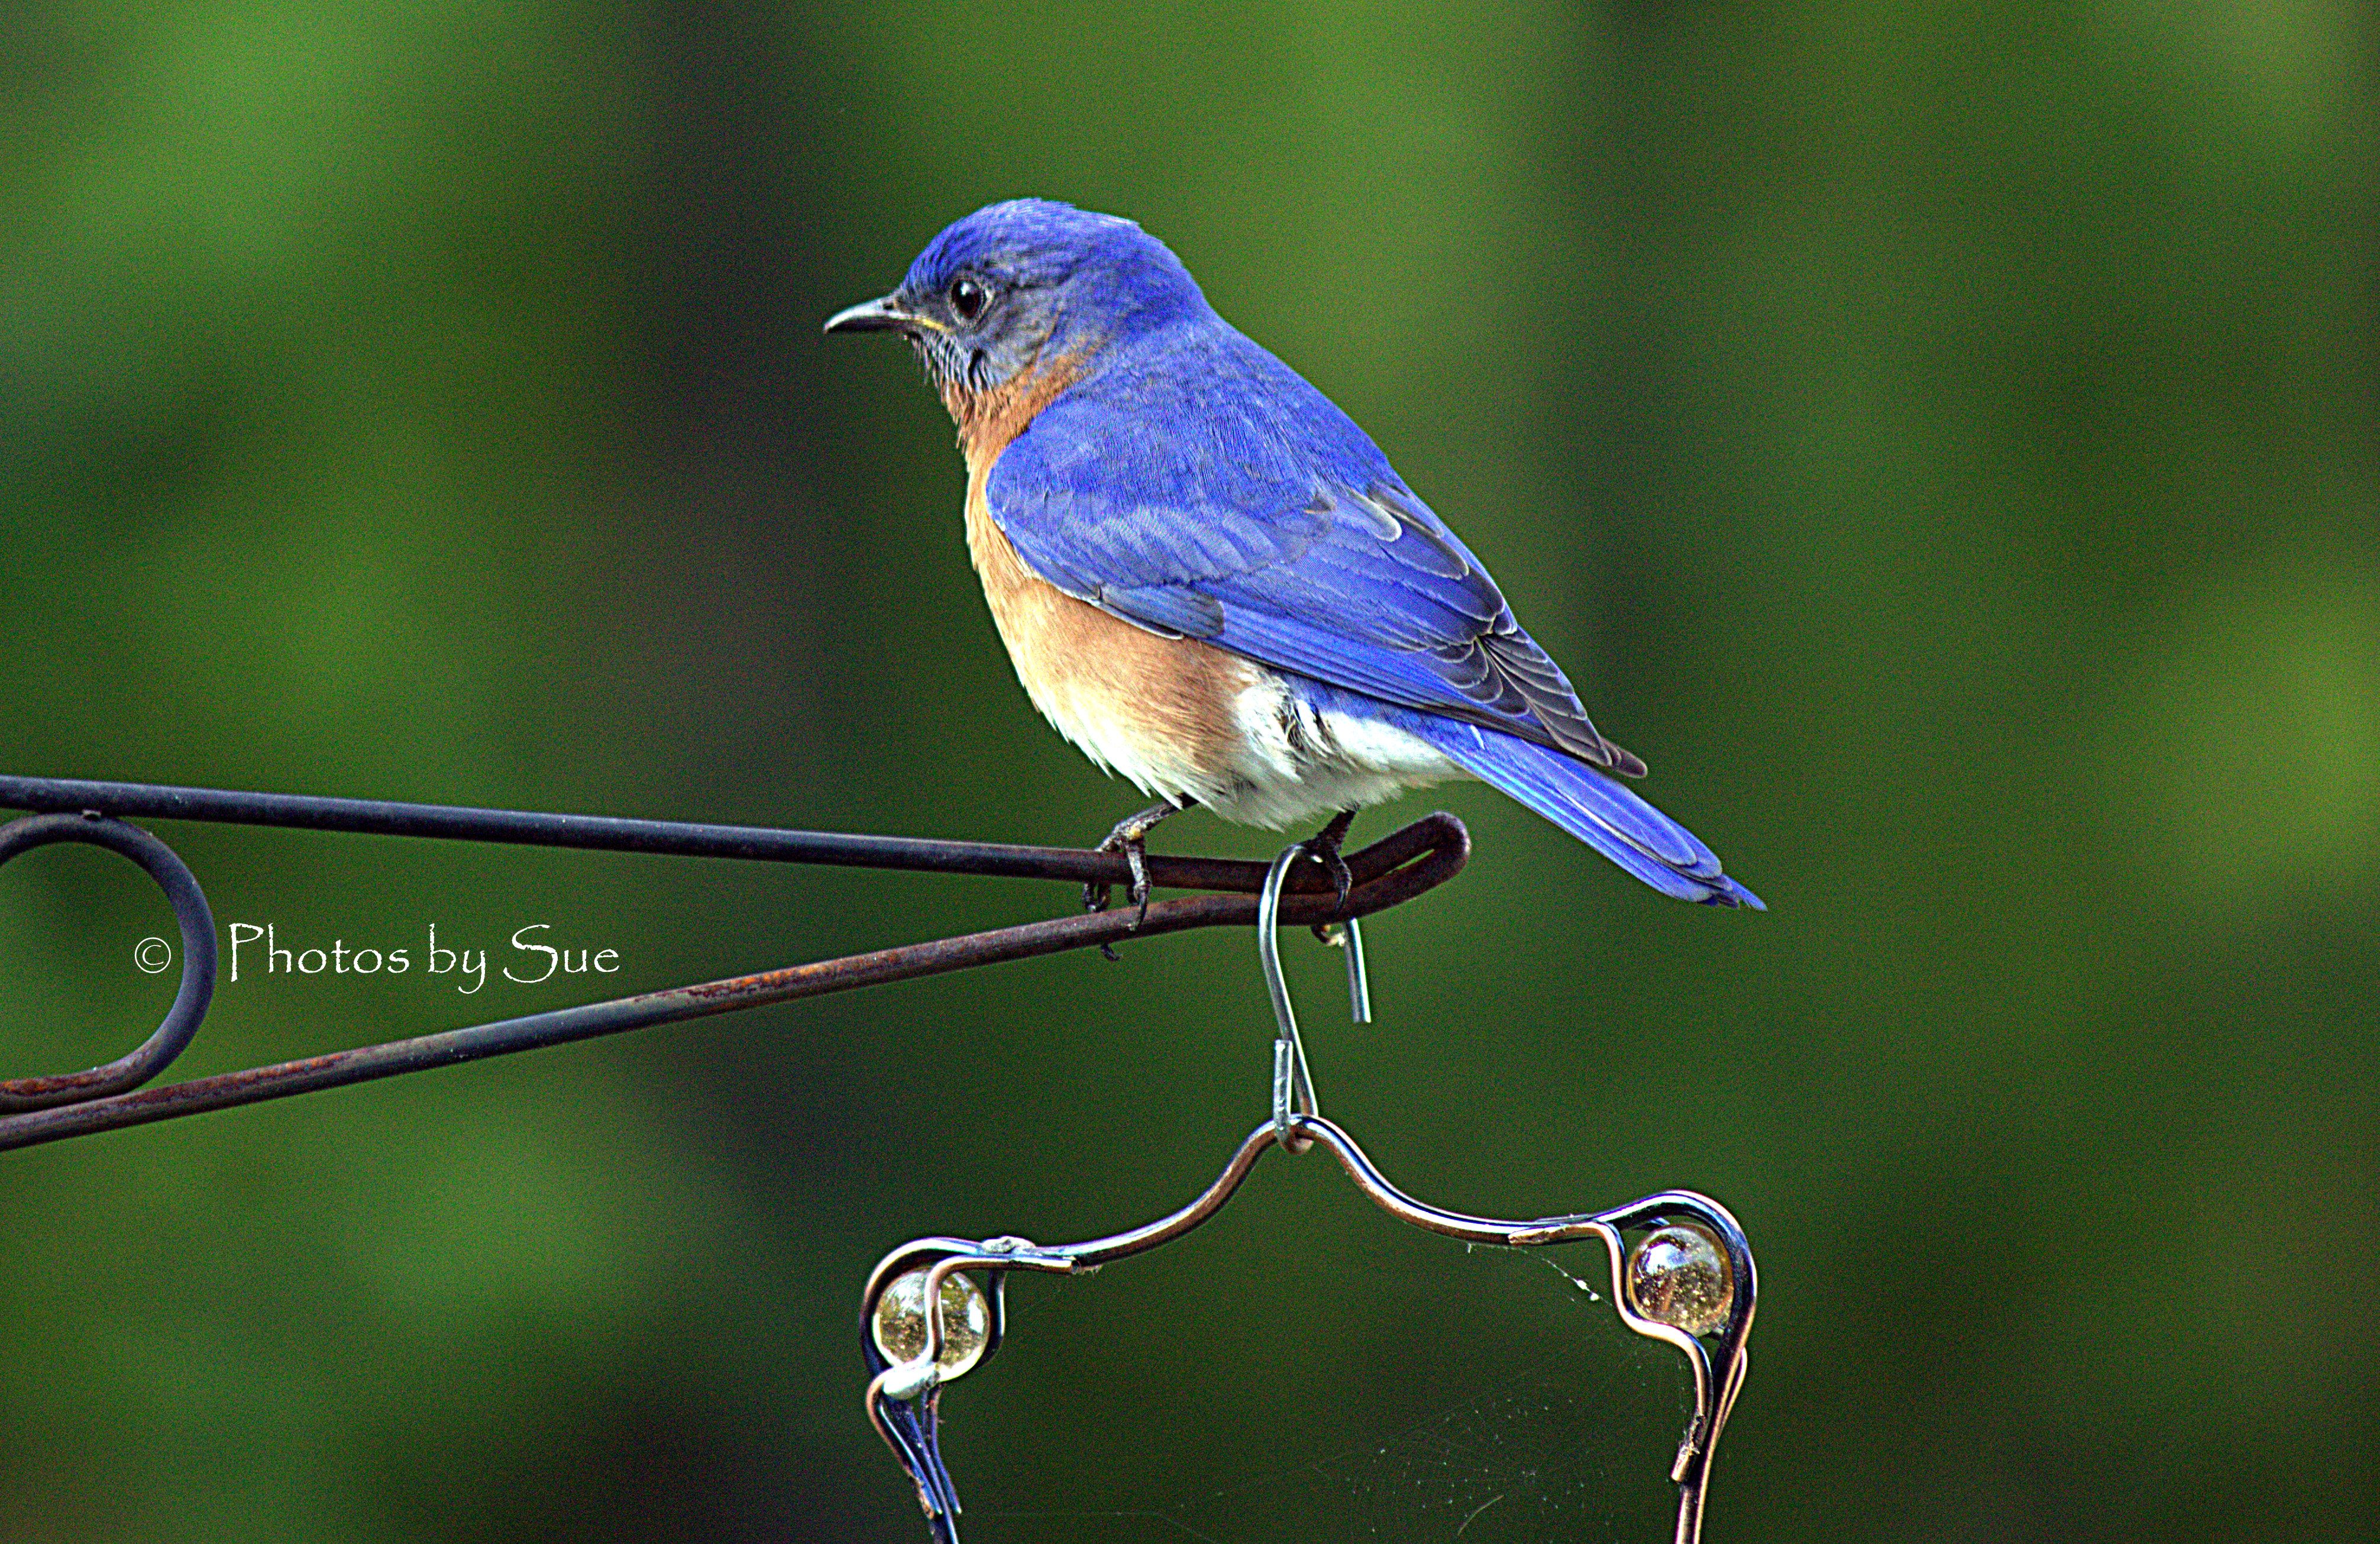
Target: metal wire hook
[(1293, 1080)]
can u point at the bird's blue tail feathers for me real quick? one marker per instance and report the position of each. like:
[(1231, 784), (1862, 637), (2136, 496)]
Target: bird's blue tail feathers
[(1595, 808)]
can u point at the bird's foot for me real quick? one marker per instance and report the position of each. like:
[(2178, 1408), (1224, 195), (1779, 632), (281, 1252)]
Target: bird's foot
[(1130, 837), (1323, 847)]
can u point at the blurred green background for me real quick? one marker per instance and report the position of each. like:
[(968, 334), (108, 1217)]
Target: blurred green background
[(1941, 439)]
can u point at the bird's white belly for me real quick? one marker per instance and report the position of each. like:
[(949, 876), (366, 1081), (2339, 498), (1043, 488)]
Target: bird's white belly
[(1287, 761)]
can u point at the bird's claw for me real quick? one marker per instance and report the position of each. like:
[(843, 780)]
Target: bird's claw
[(1136, 857), (1324, 849), (1130, 837), (1342, 879)]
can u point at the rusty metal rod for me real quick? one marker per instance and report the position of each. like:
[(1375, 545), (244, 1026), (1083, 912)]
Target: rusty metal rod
[(1392, 871)]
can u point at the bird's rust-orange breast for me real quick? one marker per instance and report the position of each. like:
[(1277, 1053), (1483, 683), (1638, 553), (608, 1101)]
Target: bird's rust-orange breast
[(1162, 710)]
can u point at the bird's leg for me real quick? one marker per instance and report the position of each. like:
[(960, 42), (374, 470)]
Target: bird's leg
[(1130, 837), (1323, 847)]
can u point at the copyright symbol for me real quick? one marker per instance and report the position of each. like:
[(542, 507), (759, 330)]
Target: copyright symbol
[(152, 954)]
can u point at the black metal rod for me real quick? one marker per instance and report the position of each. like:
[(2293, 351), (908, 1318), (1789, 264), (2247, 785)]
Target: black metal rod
[(610, 833)]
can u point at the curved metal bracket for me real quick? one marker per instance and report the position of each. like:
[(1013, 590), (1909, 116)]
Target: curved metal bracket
[(903, 1398), (36, 1110)]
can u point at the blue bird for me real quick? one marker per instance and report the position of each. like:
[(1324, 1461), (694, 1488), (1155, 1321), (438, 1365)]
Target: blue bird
[(1210, 580)]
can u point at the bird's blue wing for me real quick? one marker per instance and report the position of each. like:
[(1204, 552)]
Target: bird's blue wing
[(1223, 498)]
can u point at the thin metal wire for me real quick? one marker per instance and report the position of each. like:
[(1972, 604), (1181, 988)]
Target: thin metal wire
[(39, 1110), (1349, 935), (1293, 1081)]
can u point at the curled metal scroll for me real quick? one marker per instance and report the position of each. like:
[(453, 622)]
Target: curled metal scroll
[(904, 1397), (197, 986)]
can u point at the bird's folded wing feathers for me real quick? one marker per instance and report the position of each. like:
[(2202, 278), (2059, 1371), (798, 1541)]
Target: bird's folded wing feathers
[(1285, 538)]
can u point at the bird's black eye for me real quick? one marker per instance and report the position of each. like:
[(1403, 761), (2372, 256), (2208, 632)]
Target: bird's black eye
[(967, 298)]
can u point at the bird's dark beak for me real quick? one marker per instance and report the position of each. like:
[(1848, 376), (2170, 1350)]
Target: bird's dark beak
[(874, 316)]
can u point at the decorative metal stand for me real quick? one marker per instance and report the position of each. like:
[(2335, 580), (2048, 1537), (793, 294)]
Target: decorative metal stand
[(1681, 1270)]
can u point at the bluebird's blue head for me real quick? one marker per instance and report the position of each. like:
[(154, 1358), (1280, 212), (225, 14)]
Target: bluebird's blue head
[(1016, 281)]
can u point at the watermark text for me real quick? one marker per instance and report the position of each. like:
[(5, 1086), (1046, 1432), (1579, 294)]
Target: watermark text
[(535, 955)]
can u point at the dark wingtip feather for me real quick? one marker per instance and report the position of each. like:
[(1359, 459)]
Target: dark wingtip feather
[(1725, 892), (1627, 764)]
